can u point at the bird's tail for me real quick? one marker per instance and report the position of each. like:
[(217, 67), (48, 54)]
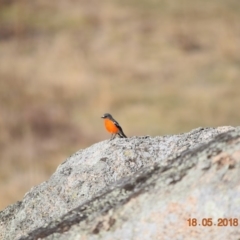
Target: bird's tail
[(121, 134)]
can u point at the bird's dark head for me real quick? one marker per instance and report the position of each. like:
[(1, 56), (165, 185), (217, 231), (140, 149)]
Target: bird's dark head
[(106, 115)]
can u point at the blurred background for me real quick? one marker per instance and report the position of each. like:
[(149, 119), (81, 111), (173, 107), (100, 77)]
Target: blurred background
[(159, 66)]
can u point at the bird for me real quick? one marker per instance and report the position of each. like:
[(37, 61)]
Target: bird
[(113, 126)]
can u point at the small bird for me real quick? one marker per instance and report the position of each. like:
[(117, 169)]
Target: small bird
[(113, 126)]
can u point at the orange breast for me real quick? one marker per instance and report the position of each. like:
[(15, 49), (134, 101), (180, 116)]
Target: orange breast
[(110, 126)]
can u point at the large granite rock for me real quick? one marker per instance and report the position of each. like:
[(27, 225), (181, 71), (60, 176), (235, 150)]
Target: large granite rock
[(137, 188)]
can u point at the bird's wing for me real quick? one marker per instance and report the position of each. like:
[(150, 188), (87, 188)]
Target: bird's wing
[(117, 124)]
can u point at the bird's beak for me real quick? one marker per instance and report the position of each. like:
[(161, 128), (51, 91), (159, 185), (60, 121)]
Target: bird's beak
[(102, 117)]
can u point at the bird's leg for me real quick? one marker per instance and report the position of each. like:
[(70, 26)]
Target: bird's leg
[(111, 137), (114, 135)]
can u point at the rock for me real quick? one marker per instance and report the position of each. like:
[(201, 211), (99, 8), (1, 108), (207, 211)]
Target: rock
[(137, 188)]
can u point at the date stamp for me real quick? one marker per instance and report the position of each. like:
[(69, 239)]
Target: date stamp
[(208, 222)]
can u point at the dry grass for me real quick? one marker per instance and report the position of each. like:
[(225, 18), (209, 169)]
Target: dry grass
[(160, 67)]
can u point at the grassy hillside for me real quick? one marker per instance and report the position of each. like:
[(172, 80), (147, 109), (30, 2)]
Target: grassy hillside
[(160, 67)]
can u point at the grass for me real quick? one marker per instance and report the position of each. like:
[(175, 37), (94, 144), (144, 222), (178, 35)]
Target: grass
[(160, 67)]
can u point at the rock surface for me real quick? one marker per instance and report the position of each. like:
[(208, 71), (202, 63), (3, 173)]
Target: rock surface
[(137, 188)]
